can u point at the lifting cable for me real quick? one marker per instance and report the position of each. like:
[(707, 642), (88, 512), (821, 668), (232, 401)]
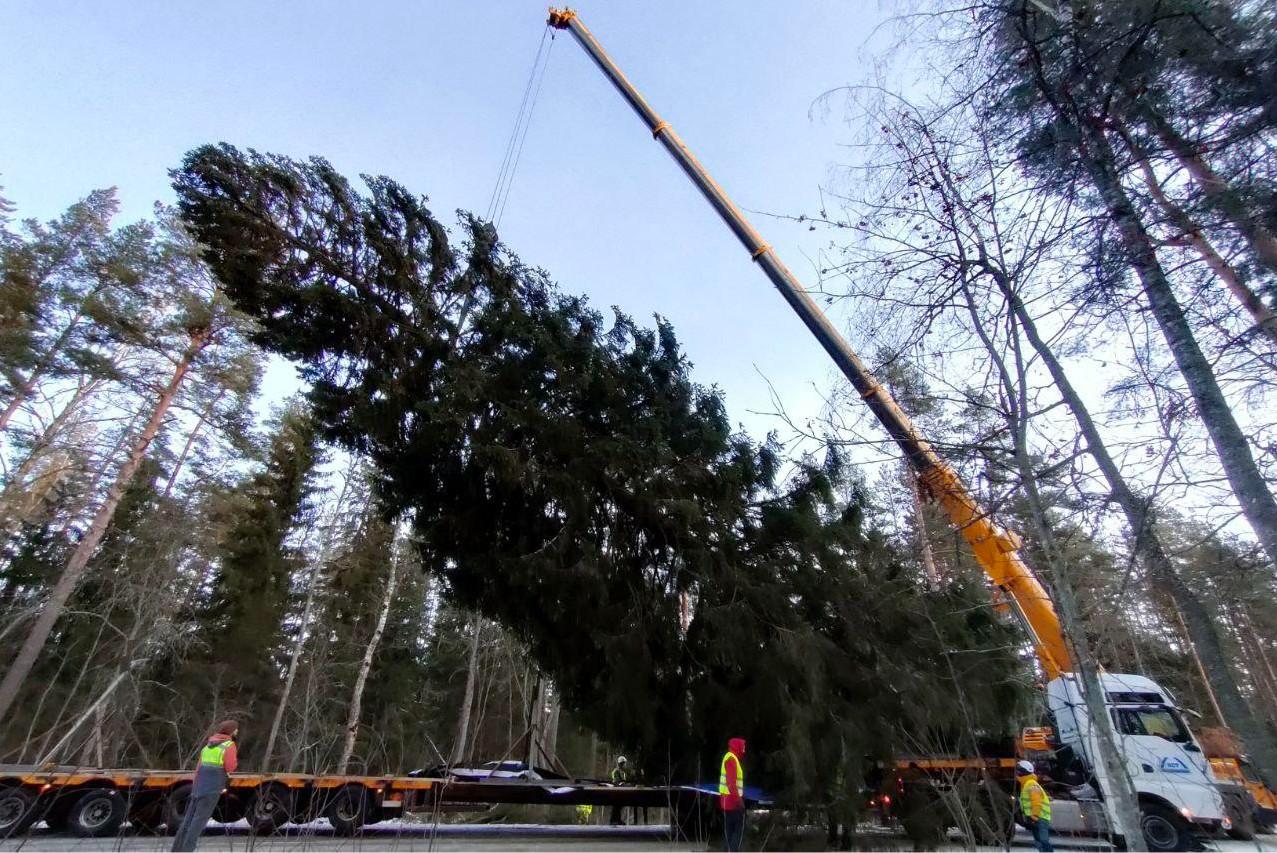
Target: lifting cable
[(523, 121)]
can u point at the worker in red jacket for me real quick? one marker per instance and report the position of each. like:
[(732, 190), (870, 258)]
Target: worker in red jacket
[(218, 759), (731, 793)]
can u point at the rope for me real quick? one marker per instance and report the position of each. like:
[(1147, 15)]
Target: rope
[(519, 135)]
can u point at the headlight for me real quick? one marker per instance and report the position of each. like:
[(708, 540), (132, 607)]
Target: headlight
[(1226, 824)]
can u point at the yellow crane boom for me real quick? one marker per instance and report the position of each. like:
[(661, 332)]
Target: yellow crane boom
[(996, 549)]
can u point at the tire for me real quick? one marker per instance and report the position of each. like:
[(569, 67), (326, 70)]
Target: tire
[(17, 811), (174, 807), (97, 814), (1164, 829), (347, 810), (269, 808)]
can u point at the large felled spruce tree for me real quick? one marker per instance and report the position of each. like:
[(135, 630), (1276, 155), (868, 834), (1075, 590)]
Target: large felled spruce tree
[(569, 480)]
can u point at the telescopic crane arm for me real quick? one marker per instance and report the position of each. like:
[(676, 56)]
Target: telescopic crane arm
[(997, 550)]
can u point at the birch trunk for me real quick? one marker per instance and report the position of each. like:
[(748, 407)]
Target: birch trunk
[(467, 699), (294, 657), (357, 695), (74, 571)]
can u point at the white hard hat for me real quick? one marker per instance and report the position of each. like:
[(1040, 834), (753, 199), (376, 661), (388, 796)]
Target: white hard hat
[(1024, 766), (620, 759)]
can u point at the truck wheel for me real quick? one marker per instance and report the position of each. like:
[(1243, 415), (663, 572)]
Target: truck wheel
[(1164, 829), (17, 811), (347, 810), (175, 806), (270, 807), (97, 813)]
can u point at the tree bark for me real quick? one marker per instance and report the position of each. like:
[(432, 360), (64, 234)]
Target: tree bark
[(74, 571), (370, 651)]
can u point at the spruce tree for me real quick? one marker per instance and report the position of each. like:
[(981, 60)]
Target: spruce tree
[(568, 479)]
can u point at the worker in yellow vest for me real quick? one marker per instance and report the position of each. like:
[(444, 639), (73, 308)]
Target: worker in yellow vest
[(218, 759), (731, 793), (1035, 804)]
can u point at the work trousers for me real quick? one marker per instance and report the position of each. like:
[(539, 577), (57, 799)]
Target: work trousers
[(733, 828), (1041, 830), (198, 811)]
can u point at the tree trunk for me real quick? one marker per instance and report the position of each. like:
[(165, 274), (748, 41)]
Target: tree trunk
[(929, 570), (190, 441), (12, 516), (1216, 189), (1230, 442), (74, 571), (1262, 316), (1201, 670), (294, 658), (1121, 791), (1163, 577), (467, 699), (357, 695)]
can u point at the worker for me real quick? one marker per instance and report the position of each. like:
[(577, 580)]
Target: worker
[(731, 793), (1035, 804), (620, 775), (218, 758)]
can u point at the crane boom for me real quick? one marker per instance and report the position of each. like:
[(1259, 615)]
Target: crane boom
[(996, 549)]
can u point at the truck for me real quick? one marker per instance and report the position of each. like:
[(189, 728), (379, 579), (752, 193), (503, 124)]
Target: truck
[(97, 803), (1174, 783)]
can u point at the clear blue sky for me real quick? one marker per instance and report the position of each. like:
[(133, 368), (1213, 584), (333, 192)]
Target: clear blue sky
[(114, 93)]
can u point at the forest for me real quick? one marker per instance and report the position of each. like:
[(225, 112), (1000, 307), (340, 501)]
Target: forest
[(500, 522)]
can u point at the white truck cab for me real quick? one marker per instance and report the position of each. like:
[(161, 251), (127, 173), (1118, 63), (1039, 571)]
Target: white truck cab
[(1177, 791)]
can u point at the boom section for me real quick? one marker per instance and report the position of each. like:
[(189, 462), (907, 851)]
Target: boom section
[(995, 549)]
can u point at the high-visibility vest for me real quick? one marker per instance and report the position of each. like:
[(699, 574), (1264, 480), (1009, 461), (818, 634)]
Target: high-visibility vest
[(723, 790), (1026, 804), (214, 755)]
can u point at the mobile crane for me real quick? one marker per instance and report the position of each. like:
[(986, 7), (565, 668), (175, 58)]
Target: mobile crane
[(1172, 779)]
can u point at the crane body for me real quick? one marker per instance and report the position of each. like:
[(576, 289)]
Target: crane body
[(1171, 775)]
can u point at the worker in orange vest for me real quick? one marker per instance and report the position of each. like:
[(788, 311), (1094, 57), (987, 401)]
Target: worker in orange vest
[(731, 793)]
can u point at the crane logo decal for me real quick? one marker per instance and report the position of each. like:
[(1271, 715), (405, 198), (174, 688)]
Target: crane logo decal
[(1171, 764)]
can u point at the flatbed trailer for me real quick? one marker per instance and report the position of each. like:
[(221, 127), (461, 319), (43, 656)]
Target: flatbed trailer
[(97, 802)]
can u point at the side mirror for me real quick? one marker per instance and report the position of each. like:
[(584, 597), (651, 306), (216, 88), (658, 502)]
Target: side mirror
[(1192, 747)]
